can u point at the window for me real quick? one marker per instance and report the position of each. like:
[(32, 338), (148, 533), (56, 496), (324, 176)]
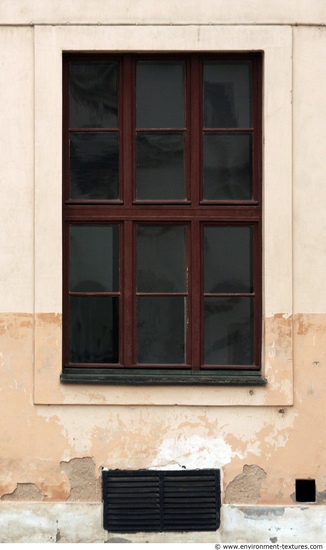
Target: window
[(162, 219)]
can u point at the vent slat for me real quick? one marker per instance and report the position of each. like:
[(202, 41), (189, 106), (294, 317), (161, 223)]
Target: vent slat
[(152, 501), (178, 517), (141, 505)]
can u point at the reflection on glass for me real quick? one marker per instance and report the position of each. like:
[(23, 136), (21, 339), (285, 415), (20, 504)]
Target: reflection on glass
[(229, 333), (160, 167), (93, 94), (228, 259), (227, 94), (161, 258), (94, 258), (159, 94), (227, 167), (94, 166), (94, 322), (161, 329)]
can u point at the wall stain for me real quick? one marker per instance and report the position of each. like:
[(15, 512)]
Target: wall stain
[(115, 540), (262, 512), (245, 487), (49, 318)]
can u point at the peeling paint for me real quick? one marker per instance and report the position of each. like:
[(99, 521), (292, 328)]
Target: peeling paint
[(245, 488), (190, 452), (24, 491), (321, 497), (40, 437), (84, 484)]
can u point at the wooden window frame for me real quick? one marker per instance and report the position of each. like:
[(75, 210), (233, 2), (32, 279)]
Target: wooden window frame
[(194, 212)]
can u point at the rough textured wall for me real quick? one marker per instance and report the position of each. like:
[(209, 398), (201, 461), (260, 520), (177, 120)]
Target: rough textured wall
[(57, 452)]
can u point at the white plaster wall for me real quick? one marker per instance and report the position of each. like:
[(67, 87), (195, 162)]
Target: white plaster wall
[(16, 169), (82, 523), (309, 115), (168, 11)]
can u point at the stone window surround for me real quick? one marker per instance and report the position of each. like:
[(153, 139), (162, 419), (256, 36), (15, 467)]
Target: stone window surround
[(276, 43)]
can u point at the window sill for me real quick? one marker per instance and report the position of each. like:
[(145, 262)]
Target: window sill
[(162, 378)]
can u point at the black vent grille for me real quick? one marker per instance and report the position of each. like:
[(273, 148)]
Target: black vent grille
[(149, 501)]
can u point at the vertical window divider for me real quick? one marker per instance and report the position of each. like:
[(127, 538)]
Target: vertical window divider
[(127, 126), (194, 111), (196, 297), (257, 292), (66, 297), (127, 291)]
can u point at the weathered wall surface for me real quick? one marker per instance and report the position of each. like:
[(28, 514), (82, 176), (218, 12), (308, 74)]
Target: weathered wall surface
[(53, 449)]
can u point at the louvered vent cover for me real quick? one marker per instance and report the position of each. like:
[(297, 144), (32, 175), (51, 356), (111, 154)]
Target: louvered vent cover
[(147, 500)]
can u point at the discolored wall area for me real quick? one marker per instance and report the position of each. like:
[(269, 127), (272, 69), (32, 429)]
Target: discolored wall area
[(55, 439)]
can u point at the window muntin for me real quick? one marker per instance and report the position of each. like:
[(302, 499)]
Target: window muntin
[(180, 168)]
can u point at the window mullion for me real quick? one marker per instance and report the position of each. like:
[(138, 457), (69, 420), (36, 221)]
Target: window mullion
[(194, 109), (257, 261), (127, 135), (128, 297), (196, 298)]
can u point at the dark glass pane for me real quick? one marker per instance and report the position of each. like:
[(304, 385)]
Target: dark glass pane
[(94, 166), (227, 94), (93, 94), (229, 332), (160, 167), (94, 258), (228, 259), (161, 258), (94, 329), (160, 94), (161, 329), (227, 167)]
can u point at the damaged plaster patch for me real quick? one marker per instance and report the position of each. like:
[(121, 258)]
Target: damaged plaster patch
[(321, 497), (193, 452), (84, 482), (24, 491), (245, 488)]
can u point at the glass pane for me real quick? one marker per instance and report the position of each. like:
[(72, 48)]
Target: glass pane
[(160, 94), (229, 332), (161, 258), (227, 94), (161, 325), (94, 258), (93, 94), (228, 259), (160, 167), (227, 167), (94, 329), (94, 166)]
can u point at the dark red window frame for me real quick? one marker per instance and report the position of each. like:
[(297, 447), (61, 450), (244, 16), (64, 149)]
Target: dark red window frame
[(194, 212)]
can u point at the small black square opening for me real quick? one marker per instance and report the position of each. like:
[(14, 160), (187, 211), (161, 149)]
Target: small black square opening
[(305, 490)]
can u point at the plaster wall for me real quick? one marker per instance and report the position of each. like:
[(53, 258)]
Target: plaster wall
[(108, 12), (54, 441)]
